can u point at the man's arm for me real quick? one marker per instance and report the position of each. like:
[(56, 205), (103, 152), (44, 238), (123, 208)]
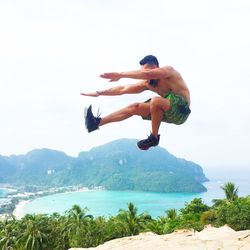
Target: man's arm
[(120, 90), (157, 73)]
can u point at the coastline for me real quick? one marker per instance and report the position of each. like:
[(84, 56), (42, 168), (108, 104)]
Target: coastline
[(213, 186), (19, 208), (14, 198)]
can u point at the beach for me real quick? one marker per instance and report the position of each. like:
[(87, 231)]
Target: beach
[(19, 208)]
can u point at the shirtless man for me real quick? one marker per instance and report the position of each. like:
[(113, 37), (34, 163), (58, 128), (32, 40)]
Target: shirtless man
[(171, 105)]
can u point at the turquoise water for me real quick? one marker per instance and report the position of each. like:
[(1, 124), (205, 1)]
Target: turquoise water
[(2, 193), (108, 203)]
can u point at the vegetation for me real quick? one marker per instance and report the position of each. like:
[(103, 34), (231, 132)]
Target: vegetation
[(76, 228)]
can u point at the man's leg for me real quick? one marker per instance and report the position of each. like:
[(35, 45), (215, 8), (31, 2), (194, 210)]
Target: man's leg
[(94, 122), (158, 106), (141, 109)]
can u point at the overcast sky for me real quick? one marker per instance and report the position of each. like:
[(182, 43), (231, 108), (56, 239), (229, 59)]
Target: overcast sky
[(51, 50)]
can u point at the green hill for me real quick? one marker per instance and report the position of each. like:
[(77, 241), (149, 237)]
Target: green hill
[(118, 165)]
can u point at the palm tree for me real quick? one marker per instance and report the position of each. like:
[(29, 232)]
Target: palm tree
[(97, 232), (231, 193), (76, 223), (7, 234), (58, 236), (77, 216), (171, 214), (157, 226), (130, 221), (34, 235)]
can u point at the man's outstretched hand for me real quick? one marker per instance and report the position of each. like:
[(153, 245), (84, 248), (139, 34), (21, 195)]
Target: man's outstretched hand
[(93, 94), (113, 76)]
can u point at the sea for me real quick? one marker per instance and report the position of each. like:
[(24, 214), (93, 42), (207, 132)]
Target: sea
[(108, 203)]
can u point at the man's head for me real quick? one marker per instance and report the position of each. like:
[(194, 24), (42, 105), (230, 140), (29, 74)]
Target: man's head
[(150, 61)]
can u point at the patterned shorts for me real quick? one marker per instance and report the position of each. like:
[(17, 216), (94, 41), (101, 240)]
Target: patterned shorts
[(178, 112)]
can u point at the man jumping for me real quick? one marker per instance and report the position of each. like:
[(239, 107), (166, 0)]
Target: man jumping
[(171, 106)]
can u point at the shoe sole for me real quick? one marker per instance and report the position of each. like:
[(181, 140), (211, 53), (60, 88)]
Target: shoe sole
[(146, 148), (87, 113), (85, 117), (142, 148)]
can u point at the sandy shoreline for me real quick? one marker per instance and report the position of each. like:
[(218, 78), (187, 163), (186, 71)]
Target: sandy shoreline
[(18, 211), (19, 208)]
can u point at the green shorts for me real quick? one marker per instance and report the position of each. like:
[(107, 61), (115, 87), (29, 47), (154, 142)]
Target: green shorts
[(178, 112)]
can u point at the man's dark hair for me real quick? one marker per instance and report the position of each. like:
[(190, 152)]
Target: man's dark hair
[(150, 59)]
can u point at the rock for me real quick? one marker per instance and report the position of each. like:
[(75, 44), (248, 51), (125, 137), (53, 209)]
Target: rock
[(211, 238)]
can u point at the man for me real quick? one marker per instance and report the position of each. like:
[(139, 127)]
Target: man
[(171, 105)]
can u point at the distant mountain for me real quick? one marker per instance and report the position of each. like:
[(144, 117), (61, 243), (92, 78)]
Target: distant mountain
[(118, 165)]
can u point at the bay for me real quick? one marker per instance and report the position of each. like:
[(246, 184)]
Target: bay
[(108, 203)]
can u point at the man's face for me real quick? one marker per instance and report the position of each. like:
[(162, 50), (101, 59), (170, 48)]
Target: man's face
[(148, 67)]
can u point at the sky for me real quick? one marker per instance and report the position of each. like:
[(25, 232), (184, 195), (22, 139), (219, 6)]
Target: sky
[(52, 50)]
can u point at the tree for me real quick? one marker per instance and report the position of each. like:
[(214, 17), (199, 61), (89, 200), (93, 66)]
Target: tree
[(130, 221), (34, 232), (7, 234), (156, 226), (171, 213), (58, 236), (76, 224), (190, 215), (235, 214), (231, 193), (196, 206)]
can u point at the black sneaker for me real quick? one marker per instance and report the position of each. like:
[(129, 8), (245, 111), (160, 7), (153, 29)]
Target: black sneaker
[(151, 141), (91, 122)]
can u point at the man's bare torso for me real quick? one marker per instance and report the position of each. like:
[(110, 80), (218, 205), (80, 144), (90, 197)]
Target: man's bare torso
[(173, 83)]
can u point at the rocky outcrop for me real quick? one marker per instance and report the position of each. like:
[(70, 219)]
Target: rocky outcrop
[(211, 238)]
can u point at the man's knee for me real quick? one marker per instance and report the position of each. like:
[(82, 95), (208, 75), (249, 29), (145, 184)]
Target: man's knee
[(160, 102), (134, 107), (138, 108), (156, 101)]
